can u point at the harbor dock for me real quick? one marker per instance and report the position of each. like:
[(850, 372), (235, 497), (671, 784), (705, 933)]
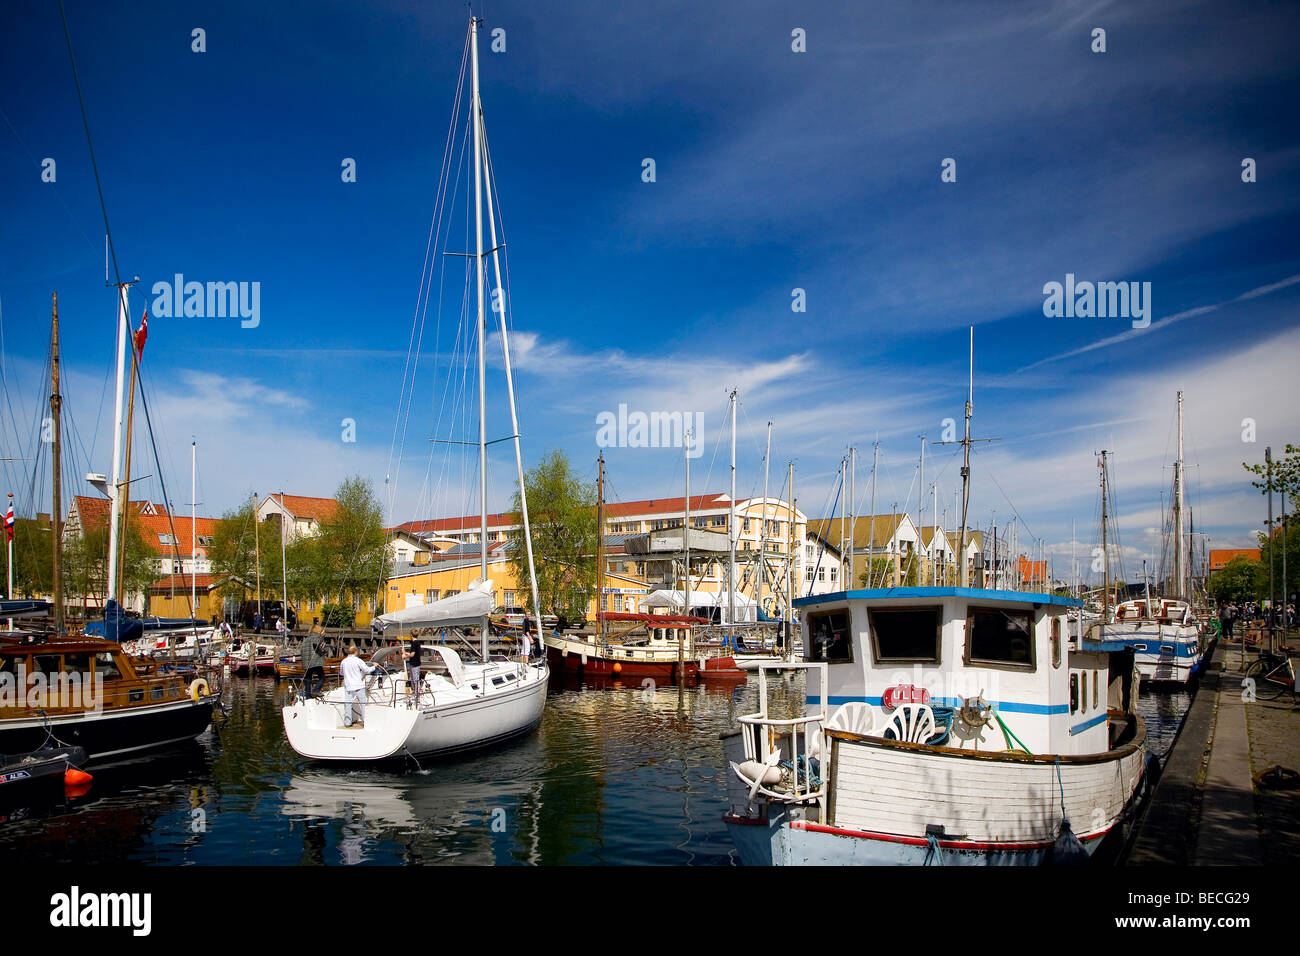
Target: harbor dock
[(1208, 809)]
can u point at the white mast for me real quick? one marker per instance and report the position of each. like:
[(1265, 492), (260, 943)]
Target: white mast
[(731, 560), (686, 533), (920, 511), (871, 527), (935, 536), (1179, 565), (853, 512), (965, 469), (114, 492), (477, 117), (194, 537), (762, 533), (510, 391)]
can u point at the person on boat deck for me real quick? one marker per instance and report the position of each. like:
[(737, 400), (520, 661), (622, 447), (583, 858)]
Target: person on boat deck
[(411, 656), (313, 661), (257, 622), (525, 645), (354, 671)]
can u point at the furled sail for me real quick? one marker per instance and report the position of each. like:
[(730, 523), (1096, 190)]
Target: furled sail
[(460, 610)]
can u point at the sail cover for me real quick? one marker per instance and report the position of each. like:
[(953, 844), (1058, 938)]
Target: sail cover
[(467, 608)]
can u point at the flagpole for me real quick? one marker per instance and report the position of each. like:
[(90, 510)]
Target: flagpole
[(9, 536)]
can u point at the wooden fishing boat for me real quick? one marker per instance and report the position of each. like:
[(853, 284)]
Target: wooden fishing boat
[(657, 646), (88, 692)]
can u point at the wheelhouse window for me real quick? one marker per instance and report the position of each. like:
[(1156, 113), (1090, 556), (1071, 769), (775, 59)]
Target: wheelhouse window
[(829, 637), (906, 634), (999, 636)]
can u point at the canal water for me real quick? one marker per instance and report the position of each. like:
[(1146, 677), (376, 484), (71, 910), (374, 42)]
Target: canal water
[(616, 774)]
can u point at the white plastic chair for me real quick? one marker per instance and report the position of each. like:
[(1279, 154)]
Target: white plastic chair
[(912, 723), (855, 716)]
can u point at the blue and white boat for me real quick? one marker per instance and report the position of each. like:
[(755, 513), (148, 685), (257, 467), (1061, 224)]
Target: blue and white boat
[(940, 725), (1164, 637)]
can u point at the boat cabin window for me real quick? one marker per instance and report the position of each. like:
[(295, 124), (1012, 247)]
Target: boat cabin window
[(106, 667), (999, 636), (829, 637), (1083, 691), (906, 634), (1074, 693), (1056, 642)]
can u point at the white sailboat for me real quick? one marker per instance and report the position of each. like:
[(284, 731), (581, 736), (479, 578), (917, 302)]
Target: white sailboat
[(459, 704)]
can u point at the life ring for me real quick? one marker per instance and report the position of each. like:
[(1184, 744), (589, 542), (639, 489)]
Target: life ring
[(198, 688)]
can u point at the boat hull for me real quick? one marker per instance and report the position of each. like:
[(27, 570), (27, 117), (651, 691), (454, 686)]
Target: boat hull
[(597, 665), (112, 732), (395, 731)]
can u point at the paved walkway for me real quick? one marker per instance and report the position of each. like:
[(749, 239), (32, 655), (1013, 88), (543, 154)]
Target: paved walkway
[(1229, 830)]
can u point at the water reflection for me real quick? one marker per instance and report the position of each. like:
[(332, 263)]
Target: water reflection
[(618, 773)]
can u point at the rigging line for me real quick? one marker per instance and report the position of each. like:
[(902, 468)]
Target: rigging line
[(1014, 511), (435, 228)]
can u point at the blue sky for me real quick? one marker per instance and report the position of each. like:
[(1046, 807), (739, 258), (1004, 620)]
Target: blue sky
[(775, 170)]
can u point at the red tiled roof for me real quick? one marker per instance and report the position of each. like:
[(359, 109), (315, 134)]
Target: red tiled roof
[(1221, 556), (469, 523), (154, 525), (1031, 570), (302, 506), (94, 512), (613, 509)]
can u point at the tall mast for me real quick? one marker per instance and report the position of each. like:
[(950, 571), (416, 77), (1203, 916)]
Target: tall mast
[(114, 491), (476, 113), (510, 387), (920, 504), (762, 531), (257, 563), (789, 558), (194, 537), (56, 511), (853, 512), (1105, 551), (686, 535), (284, 571), (600, 546), (934, 538), (732, 529), (125, 487), (871, 520), (1179, 564), (844, 511), (965, 464)]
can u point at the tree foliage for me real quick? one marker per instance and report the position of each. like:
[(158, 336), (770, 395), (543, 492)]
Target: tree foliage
[(1241, 579), (562, 517)]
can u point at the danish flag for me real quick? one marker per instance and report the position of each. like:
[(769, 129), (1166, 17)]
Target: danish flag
[(9, 523)]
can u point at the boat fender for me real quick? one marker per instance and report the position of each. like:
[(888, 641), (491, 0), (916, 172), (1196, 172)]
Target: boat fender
[(73, 777), (766, 774), (618, 668), (198, 689), (1067, 850)]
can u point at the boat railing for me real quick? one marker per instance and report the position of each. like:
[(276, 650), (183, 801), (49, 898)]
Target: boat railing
[(783, 755)]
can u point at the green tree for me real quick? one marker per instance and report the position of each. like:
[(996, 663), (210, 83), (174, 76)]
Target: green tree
[(33, 558), (562, 517), (350, 555), (84, 568), (879, 575), (1241, 579), (238, 552)]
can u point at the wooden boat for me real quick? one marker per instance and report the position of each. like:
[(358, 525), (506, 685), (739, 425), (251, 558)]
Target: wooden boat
[(657, 646), (88, 692)]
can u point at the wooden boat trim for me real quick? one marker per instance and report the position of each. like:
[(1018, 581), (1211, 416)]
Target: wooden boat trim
[(1139, 739)]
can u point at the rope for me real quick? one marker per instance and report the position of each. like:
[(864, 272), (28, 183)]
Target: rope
[(1007, 735)]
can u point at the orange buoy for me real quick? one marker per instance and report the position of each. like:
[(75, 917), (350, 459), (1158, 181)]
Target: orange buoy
[(72, 777), (618, 668)]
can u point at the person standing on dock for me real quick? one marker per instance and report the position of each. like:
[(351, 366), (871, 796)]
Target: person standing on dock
[(313, 660), (354, 671), (1226, 614)]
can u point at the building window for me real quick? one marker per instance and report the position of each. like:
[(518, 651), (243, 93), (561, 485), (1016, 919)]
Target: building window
[(430, 595), (821, 574), (509, 598), (833, 575)]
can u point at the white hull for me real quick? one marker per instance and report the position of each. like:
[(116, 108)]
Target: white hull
[(994, 810), (448, 719)]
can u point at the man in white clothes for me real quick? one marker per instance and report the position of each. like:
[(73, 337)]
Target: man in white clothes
[(353, 671)]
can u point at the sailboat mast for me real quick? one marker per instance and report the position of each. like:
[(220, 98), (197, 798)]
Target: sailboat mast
[(600, 546), (789, 556), (477, 122), (114, 491), (965, 466), (257, 564), (194, 536), (1179, 564), (762, 531), (871, 526), (731, 559), (853, 512), (686, 536), (1105, 551), (56, 407)]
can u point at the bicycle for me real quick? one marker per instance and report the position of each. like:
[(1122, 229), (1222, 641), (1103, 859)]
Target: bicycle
[(1272, 675)]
